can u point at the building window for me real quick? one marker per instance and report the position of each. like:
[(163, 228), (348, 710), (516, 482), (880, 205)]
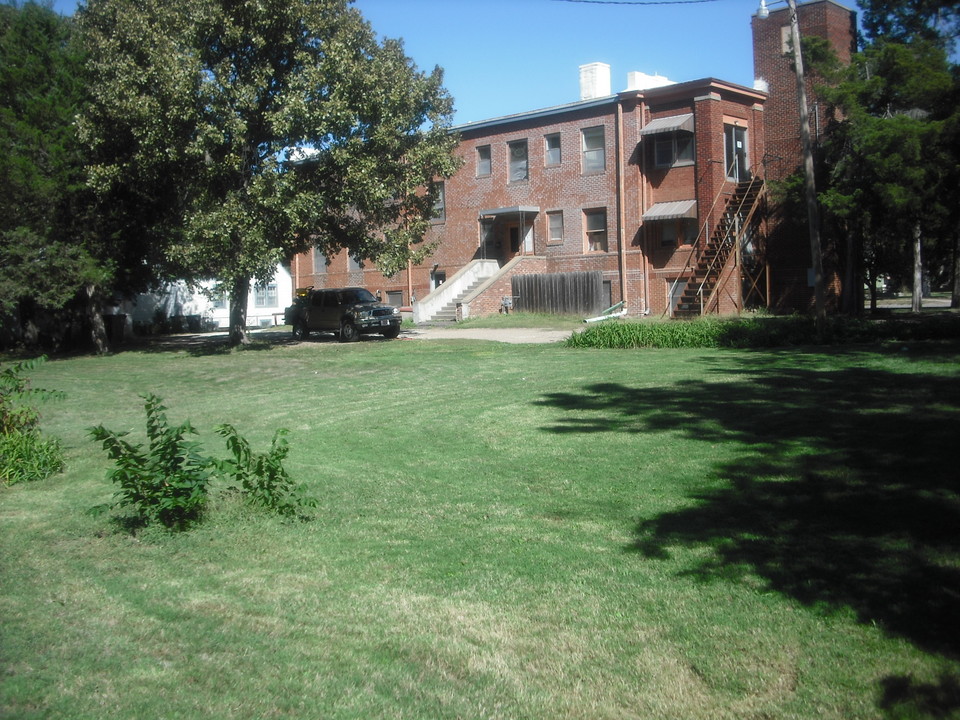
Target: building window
[(353, 263), (265, 295), (484, 165), (556, 227), (675, 148), (675, 232), (440, 203), (595, 226), (551, 149), (594, 153), (219, 300), (395, 297), (519, 168), (319, 262)]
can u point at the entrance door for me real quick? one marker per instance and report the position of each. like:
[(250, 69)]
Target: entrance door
[(735, 151), (514, 241)]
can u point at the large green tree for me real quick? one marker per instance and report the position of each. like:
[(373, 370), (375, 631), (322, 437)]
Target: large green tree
[(239, 132), (45, 261), (889, 158)]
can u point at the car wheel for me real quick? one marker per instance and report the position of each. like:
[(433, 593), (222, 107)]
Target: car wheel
[(391, 333), (299, 331), (349, 332)]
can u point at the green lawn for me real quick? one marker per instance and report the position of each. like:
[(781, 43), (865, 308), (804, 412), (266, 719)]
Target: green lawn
[(506, 531)]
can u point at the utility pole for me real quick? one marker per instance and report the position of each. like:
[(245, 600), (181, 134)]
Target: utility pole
[(810, 186)]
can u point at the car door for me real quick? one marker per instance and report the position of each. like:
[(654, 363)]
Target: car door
[(329, 314)]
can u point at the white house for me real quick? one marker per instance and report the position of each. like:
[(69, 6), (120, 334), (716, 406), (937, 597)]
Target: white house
[(200, 310)]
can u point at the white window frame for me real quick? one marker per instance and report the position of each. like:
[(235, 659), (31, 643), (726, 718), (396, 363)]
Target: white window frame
[(440, 204), (671, 144), (596, 239), (265, 296), (548, 150), (555, 229), (516, 163), (594, 158), (484, 161)]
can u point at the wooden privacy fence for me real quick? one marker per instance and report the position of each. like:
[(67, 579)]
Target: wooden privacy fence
[(559, 293)]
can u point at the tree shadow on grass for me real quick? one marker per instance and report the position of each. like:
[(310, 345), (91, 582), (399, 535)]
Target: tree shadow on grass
[(845, 493)]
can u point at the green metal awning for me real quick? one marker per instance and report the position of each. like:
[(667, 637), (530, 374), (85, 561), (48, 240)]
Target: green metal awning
[(671, 210), (669, 124)]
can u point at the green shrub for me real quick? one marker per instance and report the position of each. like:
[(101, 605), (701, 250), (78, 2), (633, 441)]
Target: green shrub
[(762, 331), (25, 454), (169, 481), (261, 477)]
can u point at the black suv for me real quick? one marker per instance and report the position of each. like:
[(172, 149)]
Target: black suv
[(348, 312)]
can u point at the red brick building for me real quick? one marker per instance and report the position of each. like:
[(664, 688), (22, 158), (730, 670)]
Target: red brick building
[(655, 194), (788, 245)]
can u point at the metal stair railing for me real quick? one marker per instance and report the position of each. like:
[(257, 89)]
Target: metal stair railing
[(735, 228)]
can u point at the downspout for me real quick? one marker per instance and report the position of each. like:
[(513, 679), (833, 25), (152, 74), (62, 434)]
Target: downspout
[(643, 208), (621, 251), (410, 281)]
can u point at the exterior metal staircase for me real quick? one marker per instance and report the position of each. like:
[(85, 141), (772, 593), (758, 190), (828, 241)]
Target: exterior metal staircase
[(732, 246)]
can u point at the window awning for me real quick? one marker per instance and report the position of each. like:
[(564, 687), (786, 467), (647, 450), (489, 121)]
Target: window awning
[(669, 124), (508, 211), (671, 210)]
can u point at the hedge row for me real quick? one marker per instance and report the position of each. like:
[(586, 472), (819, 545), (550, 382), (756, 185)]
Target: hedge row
[(763, 332)]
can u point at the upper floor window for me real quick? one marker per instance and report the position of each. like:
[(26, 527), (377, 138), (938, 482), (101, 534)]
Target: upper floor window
[(440, 203), (680, 231), (551, 149), (319, 261), (354, 263), (484, 164), (594, 152), (595, 229), (556, 227), (519, 167), (673, 148)]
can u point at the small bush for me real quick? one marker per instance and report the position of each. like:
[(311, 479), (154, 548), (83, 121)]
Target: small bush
[(168, 482), (261, 477), (25, 454)]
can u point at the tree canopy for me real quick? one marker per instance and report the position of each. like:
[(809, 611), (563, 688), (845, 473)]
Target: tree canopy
[(45, 261), (231, 134), (892, 157)]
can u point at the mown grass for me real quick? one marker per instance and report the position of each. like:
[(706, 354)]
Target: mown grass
[(506, 531)]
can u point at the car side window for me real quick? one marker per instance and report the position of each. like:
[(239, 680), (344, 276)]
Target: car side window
[(317, 300)]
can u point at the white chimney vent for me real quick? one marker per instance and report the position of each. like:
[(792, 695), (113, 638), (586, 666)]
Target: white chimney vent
[(642, 81), (594, 81)]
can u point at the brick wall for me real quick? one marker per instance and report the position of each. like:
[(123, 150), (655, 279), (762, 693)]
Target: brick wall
[(788, 238)]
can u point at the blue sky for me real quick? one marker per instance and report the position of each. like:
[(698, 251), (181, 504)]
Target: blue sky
[(507, 56)]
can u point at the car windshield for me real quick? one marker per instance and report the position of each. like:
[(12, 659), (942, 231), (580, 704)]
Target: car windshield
[(358, 295)]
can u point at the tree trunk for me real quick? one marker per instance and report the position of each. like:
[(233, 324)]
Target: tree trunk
[(872, 284), (955, 295), (916, 302), (238, 312), (98, 331)]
